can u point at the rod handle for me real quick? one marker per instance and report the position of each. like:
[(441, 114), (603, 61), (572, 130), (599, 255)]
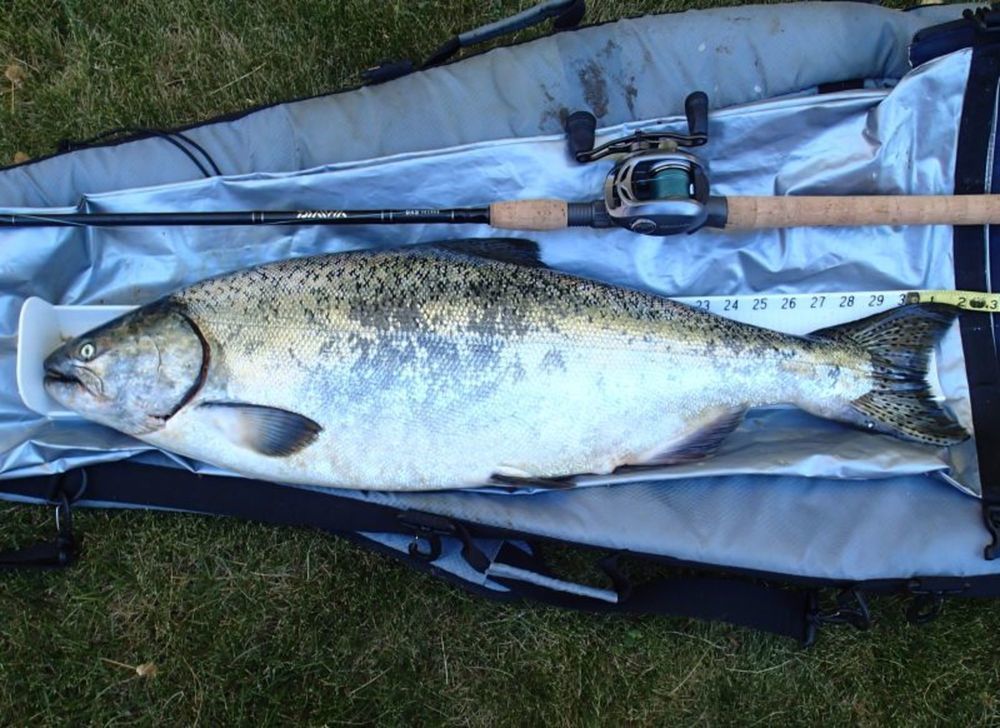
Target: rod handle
[(529, 215), (748, 213)]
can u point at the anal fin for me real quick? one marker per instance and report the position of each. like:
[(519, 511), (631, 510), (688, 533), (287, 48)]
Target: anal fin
[(527, 481), (701, 443)]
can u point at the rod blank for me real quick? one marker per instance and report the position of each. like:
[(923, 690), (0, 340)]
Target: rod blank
[(248, 217)]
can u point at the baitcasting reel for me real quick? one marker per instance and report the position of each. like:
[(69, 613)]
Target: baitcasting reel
[(654, 189)]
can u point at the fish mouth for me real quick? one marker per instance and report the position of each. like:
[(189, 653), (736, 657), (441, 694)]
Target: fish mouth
[(64, 380), (55, 376), (59, 380)]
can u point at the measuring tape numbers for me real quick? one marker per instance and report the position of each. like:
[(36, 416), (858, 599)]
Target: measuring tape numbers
[(800, 313)]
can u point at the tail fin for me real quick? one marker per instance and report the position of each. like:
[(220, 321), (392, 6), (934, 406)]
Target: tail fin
[(900, 401)]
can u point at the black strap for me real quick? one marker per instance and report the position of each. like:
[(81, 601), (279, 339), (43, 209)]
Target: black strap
[(785, 612), (565, 13), (744, 602), (977, 264), (836, 87), (133, 484), (55, 554), (128, 484), (739, 601)]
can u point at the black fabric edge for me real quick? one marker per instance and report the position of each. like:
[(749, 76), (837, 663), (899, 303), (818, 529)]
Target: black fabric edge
[(127, 484), (974, 255)]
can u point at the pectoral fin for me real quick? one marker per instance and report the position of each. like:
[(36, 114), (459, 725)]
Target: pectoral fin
[(266, 430)]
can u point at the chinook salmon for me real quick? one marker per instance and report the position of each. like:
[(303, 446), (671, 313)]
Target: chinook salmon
[(465, 364)]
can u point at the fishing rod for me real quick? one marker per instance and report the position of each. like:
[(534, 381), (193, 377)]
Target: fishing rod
[(654, 188), (733, 213)]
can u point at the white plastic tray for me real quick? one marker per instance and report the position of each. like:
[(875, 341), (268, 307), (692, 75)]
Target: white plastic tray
[(41, 328)]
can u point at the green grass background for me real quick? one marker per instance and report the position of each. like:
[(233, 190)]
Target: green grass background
[(251, 623)]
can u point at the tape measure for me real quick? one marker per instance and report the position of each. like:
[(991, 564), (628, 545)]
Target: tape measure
[(800, 313)]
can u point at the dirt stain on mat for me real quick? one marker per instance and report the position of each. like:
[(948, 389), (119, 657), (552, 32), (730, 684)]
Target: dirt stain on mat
[(554, 118), (554, 113), (630, 93), (594, 82), (595, 88)]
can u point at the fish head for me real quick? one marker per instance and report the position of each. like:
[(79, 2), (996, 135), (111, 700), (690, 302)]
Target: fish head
[(133, 373)]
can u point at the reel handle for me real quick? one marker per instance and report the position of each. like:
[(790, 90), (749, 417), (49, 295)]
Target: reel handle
[(581, 127), (696, 110)]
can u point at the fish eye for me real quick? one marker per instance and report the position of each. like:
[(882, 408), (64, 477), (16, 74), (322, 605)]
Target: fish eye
[(87, 350)]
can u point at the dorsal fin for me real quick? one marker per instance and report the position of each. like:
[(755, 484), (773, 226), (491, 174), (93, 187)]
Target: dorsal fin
[(516, 251)]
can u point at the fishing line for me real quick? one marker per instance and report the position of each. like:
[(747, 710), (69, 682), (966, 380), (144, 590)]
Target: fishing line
[(171, 137)]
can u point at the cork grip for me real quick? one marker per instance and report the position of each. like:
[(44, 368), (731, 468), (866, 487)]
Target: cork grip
[(529, 215), (780, 212)]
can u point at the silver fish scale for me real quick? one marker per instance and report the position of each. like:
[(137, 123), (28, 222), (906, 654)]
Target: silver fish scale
[(433, 369)]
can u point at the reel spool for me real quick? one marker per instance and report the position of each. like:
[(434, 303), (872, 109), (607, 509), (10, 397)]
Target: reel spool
[(654, 189)]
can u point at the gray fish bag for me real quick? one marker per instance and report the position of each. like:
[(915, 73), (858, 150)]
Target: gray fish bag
[(808, 98)]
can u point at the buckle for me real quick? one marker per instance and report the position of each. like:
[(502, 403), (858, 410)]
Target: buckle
[(386, 71), (63, 496), (986, 19), (991, 517), (928, 603), (62, 550), (428, 529), (851, 608)]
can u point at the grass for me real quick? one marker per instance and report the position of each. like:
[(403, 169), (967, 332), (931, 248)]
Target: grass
[(89, 66), (248, 623)]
